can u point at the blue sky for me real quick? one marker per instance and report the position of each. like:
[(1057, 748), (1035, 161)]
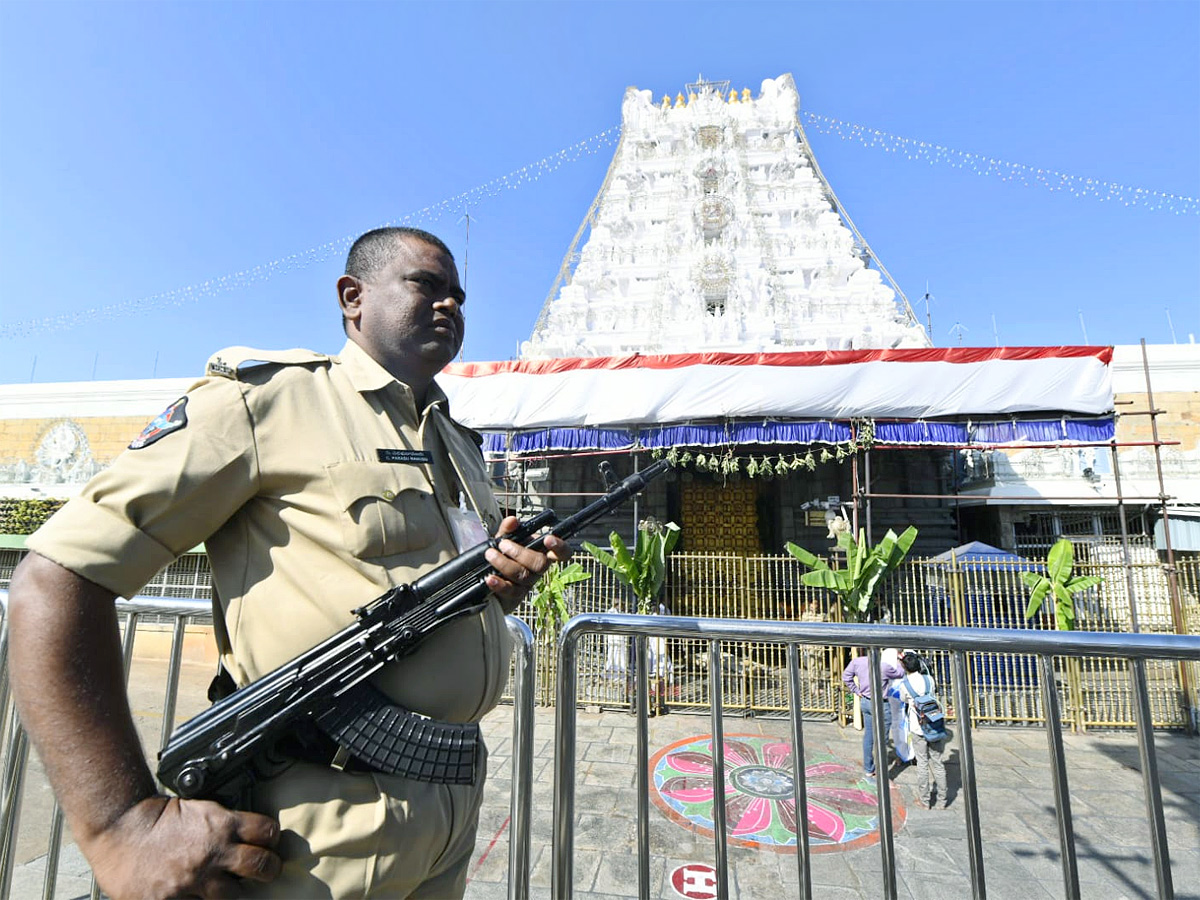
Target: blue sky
[(180, 177)]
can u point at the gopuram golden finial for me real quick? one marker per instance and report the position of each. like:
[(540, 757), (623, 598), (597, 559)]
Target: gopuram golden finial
[(733, 98), (745, 95), (679, 100), (666, 101)]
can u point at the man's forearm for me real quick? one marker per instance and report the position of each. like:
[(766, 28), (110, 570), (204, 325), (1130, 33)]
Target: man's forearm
[(68, 682)]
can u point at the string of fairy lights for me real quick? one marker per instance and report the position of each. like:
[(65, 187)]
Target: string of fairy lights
[(223, 284), (934, 154), (982, 164)]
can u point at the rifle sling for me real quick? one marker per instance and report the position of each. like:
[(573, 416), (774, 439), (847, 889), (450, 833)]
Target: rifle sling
[(365, 732)]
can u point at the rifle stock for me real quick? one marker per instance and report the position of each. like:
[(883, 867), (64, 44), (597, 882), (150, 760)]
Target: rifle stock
[(219, 753)]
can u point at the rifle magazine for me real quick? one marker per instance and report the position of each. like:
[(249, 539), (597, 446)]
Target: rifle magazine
[(391, 739)]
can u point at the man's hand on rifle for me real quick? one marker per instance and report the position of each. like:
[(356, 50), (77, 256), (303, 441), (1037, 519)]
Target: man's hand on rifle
[(519, 567), (166, 847)]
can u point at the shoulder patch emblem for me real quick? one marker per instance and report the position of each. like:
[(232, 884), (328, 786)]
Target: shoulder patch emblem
[(170, 419)]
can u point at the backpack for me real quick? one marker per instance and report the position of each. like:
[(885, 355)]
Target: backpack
[(929, 711)]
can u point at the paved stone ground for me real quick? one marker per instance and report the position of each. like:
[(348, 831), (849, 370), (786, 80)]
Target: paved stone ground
[(1016, 801), (1020, 836)]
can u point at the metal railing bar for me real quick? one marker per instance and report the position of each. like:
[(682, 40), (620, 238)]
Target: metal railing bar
[(10, 801), (1150, 782), (1144, 645), (127, 640), (966, 744), (642, 777), (5, 694), (563, 851), (165, 606), (716, 689), (1058, 773), (171, 691), (799, 780), (53, 854), (521, 800), (883, 793)]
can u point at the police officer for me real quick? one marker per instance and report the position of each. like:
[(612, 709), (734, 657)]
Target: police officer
[(316, 482)]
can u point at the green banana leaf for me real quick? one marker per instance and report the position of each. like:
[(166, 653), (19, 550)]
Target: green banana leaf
[(1060, 560), (808, 559)]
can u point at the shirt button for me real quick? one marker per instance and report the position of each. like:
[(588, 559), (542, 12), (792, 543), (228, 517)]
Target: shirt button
[(389, 495)]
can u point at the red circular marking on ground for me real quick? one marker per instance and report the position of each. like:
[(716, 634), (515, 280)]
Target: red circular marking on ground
[(696, 881)]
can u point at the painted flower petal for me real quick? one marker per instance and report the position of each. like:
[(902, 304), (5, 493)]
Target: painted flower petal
[(823, 823), (739, 753), (822, 770), (846, 799), (756, 818), (691, 762), (735, 807), (787, 814), (688, 788), (778, 756)]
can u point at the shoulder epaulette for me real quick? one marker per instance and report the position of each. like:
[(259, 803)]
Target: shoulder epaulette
[(227, 362)]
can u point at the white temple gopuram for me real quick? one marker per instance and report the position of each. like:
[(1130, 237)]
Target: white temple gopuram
[(714, 230)]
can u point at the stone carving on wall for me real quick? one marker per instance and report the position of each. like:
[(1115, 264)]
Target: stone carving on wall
[(63, 456)]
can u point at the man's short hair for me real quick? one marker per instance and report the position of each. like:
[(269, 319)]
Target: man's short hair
[(374, 250)]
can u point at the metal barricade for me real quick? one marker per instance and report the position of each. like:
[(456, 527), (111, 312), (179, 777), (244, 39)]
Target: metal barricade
[(956, 642), (180, 613)]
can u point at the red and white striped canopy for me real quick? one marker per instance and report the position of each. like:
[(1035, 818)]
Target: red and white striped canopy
[(902, 384)]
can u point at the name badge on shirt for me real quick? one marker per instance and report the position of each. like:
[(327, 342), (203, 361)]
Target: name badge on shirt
[(409, 457), (467, 527)]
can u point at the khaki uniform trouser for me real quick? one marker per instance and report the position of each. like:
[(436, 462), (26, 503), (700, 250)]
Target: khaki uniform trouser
[(369, 836)]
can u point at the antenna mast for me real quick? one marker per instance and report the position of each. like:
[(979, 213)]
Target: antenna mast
[(466, 247), (928, 314)]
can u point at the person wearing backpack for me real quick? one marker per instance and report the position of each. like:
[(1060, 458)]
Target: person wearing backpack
[(926, 728)]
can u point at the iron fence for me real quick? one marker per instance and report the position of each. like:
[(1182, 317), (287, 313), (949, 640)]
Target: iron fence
[(1051, 652), (923, 592), (17, 844)]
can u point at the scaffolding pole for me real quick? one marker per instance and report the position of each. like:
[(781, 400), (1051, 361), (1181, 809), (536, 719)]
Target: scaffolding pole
[(1187, 689)]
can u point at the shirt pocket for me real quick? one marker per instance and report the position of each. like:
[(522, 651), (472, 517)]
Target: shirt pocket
[(385, 508)]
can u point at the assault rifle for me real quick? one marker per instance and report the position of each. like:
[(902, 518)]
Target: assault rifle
[(219, 754)]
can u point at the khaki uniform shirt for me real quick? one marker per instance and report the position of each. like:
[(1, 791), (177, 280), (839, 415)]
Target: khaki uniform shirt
[(278, 470)]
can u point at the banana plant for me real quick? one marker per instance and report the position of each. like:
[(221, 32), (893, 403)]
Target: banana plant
[(866, 566), (645, 569), (1058, 581), (549, 596)]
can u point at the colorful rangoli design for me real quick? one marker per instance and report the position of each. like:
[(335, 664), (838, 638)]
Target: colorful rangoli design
[(760, 805)]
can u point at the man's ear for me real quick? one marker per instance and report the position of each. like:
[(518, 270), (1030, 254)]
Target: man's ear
[(349, 291)]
